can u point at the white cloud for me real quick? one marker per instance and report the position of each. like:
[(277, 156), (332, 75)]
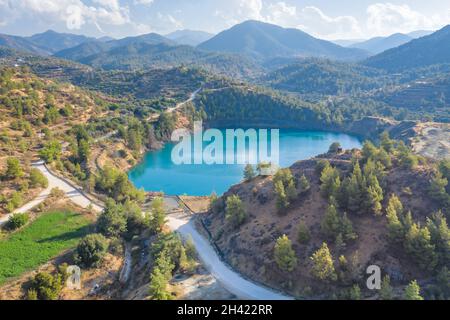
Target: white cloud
[(144, 2), (320, 24), (387, 18)]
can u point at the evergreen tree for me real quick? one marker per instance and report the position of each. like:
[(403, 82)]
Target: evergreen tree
[(355, 292), (369, 151), (158, 286), (249, 172), (323, 265), (282, 202), (386, 143), (158, 215), (374, 195), (331, 222), (412, 291), (440, 237), (330, 181), (354, 190), (418, 244), (438, 189), (112, 221), (291, 191), (284, 254), (346, 228), (235, 211), (303, 234), (393, 211), (304, 184), (386, 292)]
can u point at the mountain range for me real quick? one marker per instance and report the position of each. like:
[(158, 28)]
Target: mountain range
[(379, 44), (46, 43), (264, 41), (425, 51), (243, 50)]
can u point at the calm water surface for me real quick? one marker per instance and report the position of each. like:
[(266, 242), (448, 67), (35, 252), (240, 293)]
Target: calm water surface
[(157, 172)]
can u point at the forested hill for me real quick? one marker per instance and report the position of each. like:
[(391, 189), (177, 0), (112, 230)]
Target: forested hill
[(312, 230), (325, 77)]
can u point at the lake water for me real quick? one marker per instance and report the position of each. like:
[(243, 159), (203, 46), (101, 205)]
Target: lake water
[(157, 172)]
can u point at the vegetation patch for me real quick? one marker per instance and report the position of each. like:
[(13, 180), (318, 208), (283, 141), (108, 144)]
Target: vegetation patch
[(39, 242)]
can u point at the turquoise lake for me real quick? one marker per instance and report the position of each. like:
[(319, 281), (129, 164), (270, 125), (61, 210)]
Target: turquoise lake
[(157, 172)]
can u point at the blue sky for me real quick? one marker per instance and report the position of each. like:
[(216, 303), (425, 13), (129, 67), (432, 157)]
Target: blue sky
[(328, 19)]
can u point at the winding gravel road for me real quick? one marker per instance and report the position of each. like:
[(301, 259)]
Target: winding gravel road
[(231, 280), (71, 192)]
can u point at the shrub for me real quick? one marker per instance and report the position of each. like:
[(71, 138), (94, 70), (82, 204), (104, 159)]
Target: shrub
[(17, 221), (284, 254), (46, 286), (91, 250), (13, 169), (38, 179)]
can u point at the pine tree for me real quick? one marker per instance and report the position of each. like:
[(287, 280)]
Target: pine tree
[(395, 227), (249, 172), (369, 151), (412, 291), (440, 236), (418, 244), (291, 191), (355, 187), (386, 143), (158, 286), (158, 215), (303, 234), (386, 289), (374, 195), (235, 211), (355, 292), (330, 181), (282, 201), (339, 243), (346, 228), (304, 184), (284, 254), (331, 222), (323, 265), (438, 189)]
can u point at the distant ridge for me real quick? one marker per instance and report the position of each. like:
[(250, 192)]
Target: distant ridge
[(425, 51)]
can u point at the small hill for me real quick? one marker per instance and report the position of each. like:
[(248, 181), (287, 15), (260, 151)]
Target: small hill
[(309, 220), (316, 76), (425, 51), (264, 41)]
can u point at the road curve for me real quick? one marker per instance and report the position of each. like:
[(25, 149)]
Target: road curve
[(231, 280), (71, 192)]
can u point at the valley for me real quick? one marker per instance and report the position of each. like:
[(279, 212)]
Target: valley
[(88, 178)]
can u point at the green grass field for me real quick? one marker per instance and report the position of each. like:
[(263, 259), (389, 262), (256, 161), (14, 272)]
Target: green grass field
[(45, 238)]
